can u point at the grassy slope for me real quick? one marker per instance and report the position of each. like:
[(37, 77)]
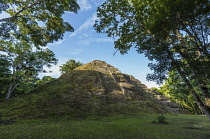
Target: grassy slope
[(72, 95), (119, 127)]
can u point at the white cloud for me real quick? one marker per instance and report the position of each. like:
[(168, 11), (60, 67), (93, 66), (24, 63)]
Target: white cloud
[(151, 84), (91, 40), (97, 2), (84, 5), (75, 51), (3, 53), (55, 69), (55, 72), (88, 23), (57, 43), (4, 15)]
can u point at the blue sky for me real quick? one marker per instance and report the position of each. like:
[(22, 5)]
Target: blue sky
[(85, 45)]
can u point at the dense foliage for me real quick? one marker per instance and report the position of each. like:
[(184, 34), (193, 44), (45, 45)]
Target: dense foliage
[(37, 21), (25, 62), (25, 28), (44, 80), (23, 87), (172, 34), (176, 89)]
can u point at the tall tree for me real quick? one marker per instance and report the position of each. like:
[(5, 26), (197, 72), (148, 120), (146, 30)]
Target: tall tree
[(69, 66), (174, 34), (25, 61), (27, 26), (37, 21)]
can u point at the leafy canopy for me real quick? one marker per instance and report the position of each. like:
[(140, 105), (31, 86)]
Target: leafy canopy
[(25, 27), (172, 34), (37, 21), (165, 31)]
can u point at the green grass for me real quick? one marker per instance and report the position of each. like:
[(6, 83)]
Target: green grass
[(138, 126)]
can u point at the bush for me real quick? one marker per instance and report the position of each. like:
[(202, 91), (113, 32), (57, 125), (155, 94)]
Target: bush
[(161, 119)]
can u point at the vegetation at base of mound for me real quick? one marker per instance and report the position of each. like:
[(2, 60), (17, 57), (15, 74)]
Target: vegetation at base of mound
[(134, 126)]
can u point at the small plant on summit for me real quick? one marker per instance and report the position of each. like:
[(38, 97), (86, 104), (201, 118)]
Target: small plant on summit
[(161, 119), (69, 66)]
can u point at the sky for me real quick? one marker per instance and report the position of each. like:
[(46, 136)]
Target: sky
[(85, 45)]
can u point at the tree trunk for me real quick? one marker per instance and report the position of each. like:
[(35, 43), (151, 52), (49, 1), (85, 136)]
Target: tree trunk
[(206, 94), (194, 108), (201, 83), (203, 86), (205, 109), (11, 87)]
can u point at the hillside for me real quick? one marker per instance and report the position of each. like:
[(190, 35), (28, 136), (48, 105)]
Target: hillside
[(94, 89)]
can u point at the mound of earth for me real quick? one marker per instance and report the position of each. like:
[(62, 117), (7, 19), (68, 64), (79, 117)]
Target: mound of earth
[(93, 89)]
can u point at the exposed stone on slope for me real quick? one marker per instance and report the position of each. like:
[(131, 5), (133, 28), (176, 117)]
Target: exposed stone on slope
[(171, 107), (127, 86)]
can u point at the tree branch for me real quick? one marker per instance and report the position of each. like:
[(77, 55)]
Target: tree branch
[(17, 14), (129, 18)]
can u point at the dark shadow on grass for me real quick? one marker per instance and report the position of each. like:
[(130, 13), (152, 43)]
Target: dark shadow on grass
[(197, 128), (6, 122)]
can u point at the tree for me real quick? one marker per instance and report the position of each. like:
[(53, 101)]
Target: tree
[(176, 89), (69, 66), (44, 80), (4, 74), (37, 21), (173, 34), (25, 62), (28, 27)]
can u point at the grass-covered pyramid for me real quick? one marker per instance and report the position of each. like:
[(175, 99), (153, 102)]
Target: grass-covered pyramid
[(94, 89)]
